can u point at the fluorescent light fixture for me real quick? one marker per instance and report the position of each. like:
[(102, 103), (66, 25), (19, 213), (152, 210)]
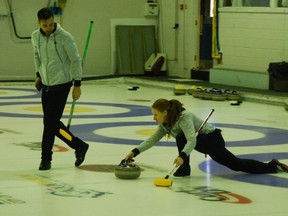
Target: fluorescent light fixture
[(211, 8)]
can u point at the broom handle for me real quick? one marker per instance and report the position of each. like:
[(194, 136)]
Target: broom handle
[(204, 122), (83, 61), (170, 172), (71, 114), (87, 43)]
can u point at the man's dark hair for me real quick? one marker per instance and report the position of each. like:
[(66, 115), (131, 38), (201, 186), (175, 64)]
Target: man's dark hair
[(44, 14)]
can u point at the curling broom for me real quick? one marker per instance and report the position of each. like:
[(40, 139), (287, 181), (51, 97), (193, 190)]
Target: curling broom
[(63, 132), (83, 61)]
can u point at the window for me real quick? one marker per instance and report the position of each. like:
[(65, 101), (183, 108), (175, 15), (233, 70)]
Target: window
[(256, 3)]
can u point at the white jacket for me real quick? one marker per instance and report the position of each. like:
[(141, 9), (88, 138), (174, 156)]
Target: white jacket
[(56, 57)]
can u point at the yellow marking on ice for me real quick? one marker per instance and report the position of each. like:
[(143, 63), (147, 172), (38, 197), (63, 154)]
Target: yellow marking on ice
[(37, 179), (3, 93), (79, 109), (34, 109), (147, 132), (66, 110)]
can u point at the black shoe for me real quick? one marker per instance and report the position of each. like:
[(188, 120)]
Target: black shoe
[(80, 155), (45, 165), (280, 167), (181, 172)]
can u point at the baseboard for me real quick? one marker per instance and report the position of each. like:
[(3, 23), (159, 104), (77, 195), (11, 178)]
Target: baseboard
[(248, 79)]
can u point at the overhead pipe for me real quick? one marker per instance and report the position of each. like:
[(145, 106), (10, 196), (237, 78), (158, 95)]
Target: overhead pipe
[(14, 25)]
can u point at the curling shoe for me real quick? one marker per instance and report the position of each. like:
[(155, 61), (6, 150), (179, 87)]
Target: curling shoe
[(80, 155), (182, 171), (45, 165), (280, 167)]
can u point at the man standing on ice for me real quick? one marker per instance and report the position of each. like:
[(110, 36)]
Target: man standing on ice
[(58, 67)]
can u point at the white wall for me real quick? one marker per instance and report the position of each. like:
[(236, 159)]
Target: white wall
[(16, 60), (252, 38), (16, 55), (168, 35)]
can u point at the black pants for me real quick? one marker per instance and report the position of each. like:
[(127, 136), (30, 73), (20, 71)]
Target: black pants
[(53, 103), (214, 145)]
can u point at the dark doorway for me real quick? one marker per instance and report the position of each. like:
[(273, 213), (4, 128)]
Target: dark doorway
[(205, 61)]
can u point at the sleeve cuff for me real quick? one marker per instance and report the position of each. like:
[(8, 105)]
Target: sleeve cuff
[(77, 83), (136, 152), (183, 155)]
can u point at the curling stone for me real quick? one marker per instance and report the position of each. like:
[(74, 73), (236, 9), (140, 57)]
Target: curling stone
[(217, 94), (179, 90), (199, 92), (127, 170), (191, 90), (232, 95)]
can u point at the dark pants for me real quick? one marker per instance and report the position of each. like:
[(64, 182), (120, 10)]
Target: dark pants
[(214, 145), (53, 103)]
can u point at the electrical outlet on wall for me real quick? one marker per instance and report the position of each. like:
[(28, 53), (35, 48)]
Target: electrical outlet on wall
[(151, 9)]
